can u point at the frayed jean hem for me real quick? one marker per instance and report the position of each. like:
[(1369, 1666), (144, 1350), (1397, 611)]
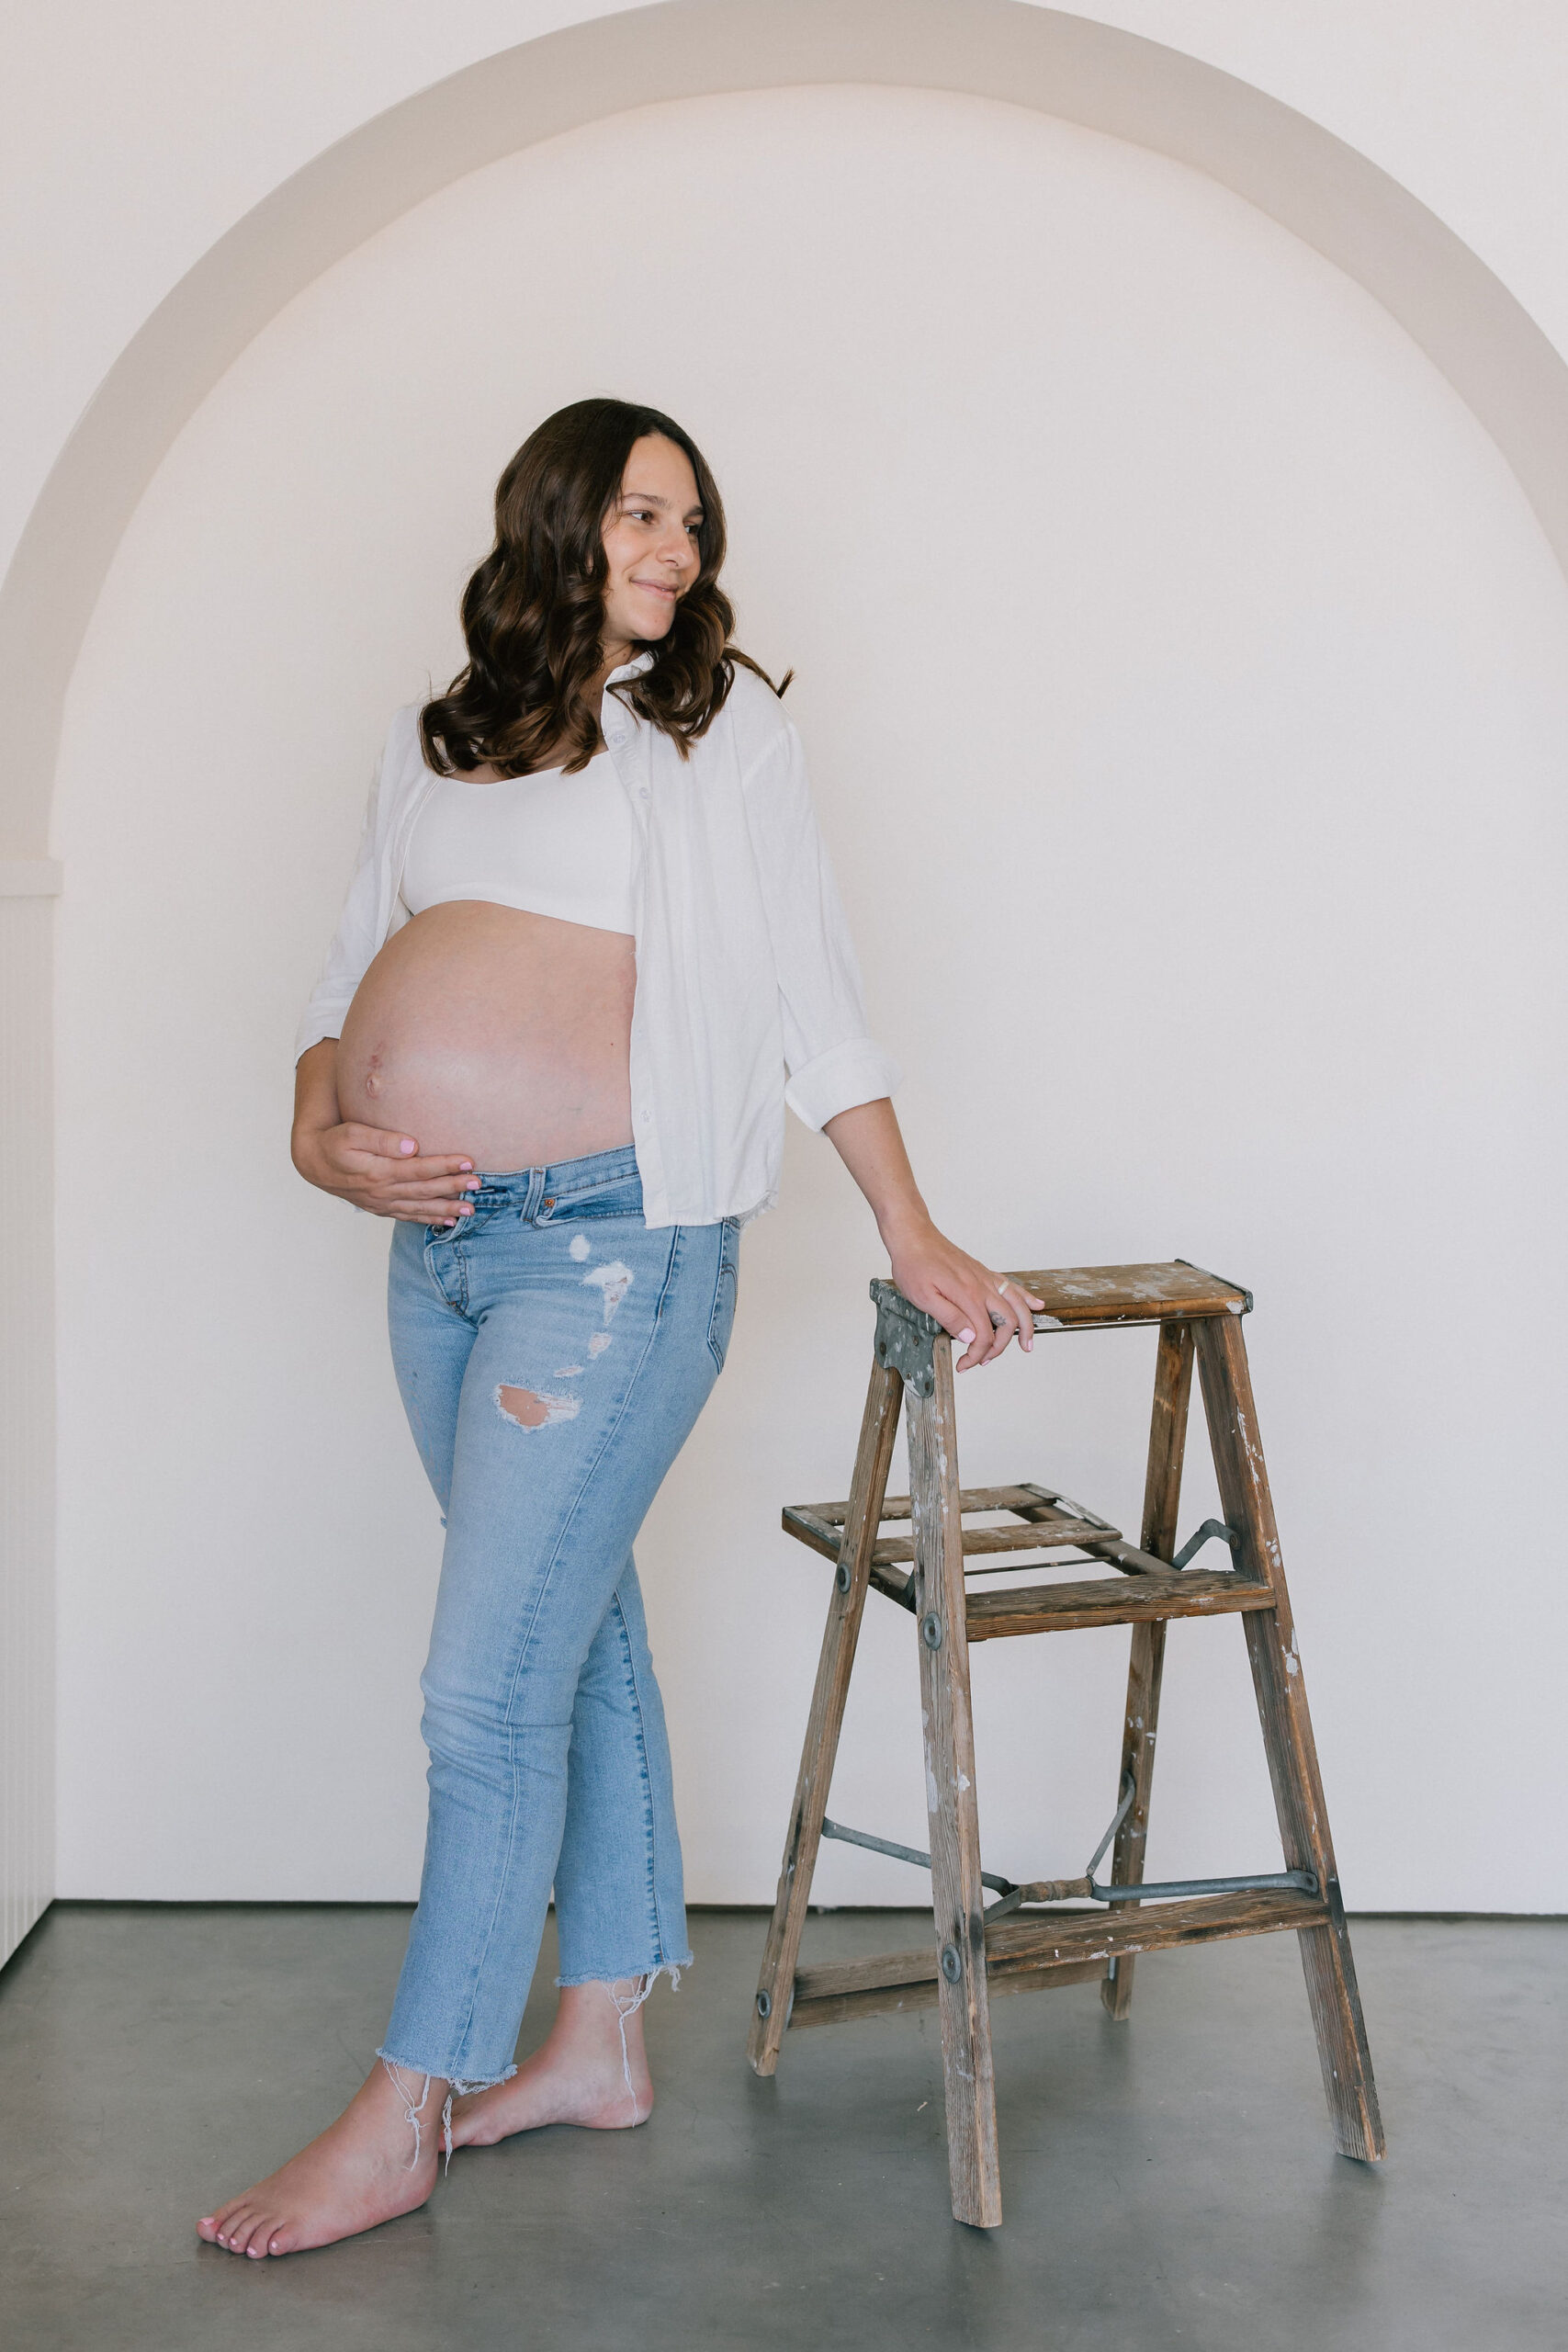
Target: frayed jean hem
[(652, 1971), (462, 2084), (457, 2087)]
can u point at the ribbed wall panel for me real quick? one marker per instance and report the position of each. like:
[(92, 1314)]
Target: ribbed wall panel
[(26, 1416)]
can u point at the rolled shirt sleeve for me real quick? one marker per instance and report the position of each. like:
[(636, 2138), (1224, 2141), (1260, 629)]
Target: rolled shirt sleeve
[(831, 1062)]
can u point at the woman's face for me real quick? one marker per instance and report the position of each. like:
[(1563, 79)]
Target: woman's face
[(650, 544)]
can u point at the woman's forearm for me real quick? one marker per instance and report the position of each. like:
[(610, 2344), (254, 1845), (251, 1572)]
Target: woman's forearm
[(982, 1310), (868, 1141), (315, 1093)]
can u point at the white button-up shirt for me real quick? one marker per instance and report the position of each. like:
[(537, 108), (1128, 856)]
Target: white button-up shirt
[(748, 990)]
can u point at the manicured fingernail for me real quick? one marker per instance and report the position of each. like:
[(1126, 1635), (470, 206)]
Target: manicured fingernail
[(408, 1145), (464, 1166), (966, 1337)]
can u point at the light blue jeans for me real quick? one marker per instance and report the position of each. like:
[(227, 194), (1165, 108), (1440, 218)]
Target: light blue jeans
[(553, 1352)]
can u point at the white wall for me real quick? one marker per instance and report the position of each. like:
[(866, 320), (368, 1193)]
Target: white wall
[(1183, 675), (136, 137)]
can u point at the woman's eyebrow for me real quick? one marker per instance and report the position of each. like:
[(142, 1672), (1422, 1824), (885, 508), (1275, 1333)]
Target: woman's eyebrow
[(646, 498)]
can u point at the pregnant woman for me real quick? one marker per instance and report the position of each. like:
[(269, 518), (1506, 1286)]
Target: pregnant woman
[(592, 928)]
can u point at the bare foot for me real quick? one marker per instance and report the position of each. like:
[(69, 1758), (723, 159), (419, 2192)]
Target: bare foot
[(581, 2073), (356, 2175)]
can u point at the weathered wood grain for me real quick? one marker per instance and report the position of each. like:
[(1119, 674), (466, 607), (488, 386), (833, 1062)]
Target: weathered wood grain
[(1330, 1971), (1065, 1946), (1043, 1536), (1080, 1294), (878, 1428), (905, 2001), (1047, 1531), (1162, 1500), (899, 1506), (1102, 1601), (957, 1897)]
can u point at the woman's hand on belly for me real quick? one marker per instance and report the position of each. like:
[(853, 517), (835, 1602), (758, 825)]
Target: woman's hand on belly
[(379, 1169)]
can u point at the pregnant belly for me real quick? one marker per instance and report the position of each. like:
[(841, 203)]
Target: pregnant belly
[(503, 1035)]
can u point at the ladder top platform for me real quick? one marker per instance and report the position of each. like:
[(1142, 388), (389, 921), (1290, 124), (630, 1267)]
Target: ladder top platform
[(1075, 1294)]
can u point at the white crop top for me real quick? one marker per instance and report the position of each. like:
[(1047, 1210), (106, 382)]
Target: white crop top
[(549, 843)]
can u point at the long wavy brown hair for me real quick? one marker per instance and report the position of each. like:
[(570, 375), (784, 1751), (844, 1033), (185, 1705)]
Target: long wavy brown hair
[(534, 612)]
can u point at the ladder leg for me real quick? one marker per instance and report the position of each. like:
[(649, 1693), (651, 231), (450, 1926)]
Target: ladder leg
[(1162, 1496), (776, 1984), (1287, 1737), (957, 1899)]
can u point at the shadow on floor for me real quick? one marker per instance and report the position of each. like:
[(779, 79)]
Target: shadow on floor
[(1168, 2184)]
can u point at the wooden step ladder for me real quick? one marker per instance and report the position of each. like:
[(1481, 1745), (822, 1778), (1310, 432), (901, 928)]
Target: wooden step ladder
[(1026, 1939)]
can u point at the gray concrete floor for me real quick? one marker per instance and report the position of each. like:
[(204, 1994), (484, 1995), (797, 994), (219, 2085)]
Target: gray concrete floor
[(1170, 2183)]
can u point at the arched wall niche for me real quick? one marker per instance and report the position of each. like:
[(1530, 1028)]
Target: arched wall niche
[(1087, 72), (1094, 76), (1260, 761)]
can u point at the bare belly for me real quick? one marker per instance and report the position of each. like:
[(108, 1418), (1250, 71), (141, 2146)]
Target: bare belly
[(503, 1035)]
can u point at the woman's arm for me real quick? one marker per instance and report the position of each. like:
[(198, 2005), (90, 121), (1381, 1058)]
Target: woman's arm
[(375, 1167), (932, 1272)]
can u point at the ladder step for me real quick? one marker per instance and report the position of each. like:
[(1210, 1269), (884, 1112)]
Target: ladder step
[(969, 1498), (1045, 1525), (1076, 1296), (1048, 1536), (1024, 1953), (1103, 1601)]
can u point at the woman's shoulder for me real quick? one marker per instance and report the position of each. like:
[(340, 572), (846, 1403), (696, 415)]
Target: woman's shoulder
[(755, 715), (402, 734), (402, 753)]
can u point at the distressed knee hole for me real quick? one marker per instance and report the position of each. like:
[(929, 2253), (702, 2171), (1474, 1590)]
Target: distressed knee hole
[(528, 1410)]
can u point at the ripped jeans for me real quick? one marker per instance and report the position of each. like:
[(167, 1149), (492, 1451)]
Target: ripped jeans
[(553, 1352)]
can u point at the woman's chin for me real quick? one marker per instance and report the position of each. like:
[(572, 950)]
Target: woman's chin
[(654, 622)]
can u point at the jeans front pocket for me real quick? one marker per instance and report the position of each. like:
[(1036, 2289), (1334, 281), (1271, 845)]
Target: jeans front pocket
[(721, 1322), (618, 1196)]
